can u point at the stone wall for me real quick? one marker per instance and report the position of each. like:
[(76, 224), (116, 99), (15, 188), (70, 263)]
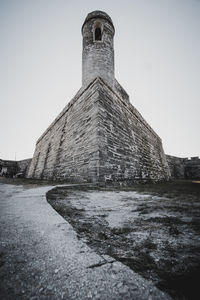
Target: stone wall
[(192, 168), (9, 168), (130, 151), (68, 150), (184, 168), (23, 166), (99, 137), (176, 166)]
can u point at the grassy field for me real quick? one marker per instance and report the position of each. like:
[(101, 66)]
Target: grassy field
[(152, 228)]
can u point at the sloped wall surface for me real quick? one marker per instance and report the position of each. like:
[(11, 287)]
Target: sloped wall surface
[(129, 148), (68, 149), (99, 137)]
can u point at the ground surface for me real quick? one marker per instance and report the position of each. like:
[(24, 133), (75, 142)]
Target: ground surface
[(154, 229), (41, 256)]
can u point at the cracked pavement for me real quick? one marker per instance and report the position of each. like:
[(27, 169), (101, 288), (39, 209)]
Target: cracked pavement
[(42, 258)]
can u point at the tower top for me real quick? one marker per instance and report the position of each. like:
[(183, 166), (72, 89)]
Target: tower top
[(98, 14)]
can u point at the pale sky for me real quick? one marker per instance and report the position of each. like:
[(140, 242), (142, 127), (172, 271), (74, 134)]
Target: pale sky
[(157, 61)]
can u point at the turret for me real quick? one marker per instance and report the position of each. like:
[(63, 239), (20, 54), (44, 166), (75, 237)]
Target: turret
[(98, 50)]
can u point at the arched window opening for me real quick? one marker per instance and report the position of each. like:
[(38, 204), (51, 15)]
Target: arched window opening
[(97, 34)]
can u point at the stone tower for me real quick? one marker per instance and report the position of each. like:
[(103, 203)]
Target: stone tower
[(99, 136), (98, 49)]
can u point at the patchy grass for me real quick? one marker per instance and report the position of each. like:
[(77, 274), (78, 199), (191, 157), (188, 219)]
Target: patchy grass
[(157, 232)]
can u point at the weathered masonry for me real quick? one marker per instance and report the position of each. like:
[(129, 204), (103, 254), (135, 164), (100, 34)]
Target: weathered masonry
[(99, 136), (12, 168), (184, 168)]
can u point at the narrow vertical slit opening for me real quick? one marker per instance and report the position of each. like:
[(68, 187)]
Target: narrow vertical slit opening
[(97, 34)]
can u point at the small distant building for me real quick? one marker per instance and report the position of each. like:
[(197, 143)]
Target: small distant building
[(8, 168), (184, 168), (12, 168), (99, 136)]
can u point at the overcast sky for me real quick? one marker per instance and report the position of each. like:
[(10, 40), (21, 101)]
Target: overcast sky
[(157, 61)]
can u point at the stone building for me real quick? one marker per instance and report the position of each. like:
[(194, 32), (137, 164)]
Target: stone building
[(12, 168), (99, 136), (184, 168)]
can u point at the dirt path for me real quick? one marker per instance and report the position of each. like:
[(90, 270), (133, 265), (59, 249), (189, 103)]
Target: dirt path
[(42, 258)]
